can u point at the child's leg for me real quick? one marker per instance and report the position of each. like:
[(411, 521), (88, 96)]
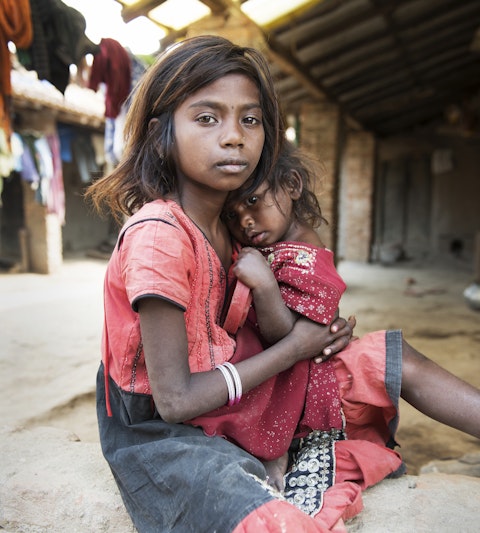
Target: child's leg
[(276, 469), (439, 394)]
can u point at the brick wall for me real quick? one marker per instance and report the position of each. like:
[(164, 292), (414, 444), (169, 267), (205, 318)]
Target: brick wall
[(356, 197), (43, 236), (320, 137)]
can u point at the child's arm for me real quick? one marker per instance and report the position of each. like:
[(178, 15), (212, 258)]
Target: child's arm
[(275, 319), (182, 395)]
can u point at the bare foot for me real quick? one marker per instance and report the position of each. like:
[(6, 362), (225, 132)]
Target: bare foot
[(276, 469)]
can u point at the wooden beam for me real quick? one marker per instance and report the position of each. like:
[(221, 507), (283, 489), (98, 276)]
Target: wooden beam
[(139, 9), (218, 7), (289, 66)]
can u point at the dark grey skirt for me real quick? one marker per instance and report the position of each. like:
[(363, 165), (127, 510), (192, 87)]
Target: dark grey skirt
[(172, 477)]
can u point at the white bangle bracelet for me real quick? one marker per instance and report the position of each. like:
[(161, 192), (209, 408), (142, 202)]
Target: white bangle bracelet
[(230, 384), (237, 381)]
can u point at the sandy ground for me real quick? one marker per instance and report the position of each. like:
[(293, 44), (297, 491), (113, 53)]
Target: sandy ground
[(51, 330)]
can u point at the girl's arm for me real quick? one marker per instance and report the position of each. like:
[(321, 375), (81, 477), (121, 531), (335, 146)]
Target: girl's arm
[(274, 318), (180, 395)]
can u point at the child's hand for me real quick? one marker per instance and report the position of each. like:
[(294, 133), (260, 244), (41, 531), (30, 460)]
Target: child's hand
[(343, 330), (252, 269)]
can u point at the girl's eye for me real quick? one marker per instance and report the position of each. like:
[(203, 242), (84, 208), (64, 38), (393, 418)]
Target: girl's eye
[(206, 119), (251, 121), (251, 201)]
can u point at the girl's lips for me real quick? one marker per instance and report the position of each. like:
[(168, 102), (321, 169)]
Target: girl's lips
[(233, 166), (257, 238)]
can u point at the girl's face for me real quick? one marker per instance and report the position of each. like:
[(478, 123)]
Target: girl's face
[(263, 218), (219, 136)]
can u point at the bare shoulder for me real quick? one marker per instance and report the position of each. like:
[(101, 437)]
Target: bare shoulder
[(309, 236)]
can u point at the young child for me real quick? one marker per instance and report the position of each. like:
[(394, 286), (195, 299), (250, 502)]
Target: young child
[(203, 120), (277, 221), (291, 273)]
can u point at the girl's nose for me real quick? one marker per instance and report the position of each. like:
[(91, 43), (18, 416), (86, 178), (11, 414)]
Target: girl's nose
[(247, 221), (233, 134)]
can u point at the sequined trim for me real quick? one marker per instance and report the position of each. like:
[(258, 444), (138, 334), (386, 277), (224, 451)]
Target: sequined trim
[(313, 470)]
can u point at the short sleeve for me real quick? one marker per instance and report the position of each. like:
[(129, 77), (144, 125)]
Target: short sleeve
[(308, 280), (157, 260)]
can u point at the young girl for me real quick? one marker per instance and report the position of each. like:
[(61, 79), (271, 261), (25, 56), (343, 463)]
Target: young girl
[(292, 274), (203, 120)]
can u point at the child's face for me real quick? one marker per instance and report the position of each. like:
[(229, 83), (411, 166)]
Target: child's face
[(219, 136), (263, 218)]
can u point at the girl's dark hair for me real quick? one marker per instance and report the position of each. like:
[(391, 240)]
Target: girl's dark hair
[(291, 160), (306, 209), (147, 169)]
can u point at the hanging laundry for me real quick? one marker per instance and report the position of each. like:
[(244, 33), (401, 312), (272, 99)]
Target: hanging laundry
[(76, 146), (66, 133), (114, 128), (109, 144), (112, 66), (59, 41), (15, 26), (84, 156), (98, 148), (138, 68), (39, 164), (41, 174), (56, 196), (17, 151), (29, 170)]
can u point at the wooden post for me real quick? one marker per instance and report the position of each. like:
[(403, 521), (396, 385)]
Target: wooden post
[(476, 259)]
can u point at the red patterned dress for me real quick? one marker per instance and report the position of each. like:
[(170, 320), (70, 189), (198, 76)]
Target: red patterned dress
[(303, 398), (323, 405)]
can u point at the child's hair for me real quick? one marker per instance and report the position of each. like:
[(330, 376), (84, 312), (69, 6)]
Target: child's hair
[(147, 170), (306, 209)]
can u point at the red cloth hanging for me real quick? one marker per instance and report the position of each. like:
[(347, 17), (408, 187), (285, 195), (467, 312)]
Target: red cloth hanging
[(112, 66), (15, 26)]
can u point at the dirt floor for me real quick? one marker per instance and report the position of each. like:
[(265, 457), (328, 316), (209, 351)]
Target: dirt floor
[(51, 330), (427, 304)]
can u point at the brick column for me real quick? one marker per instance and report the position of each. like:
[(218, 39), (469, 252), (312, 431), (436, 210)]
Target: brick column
[(43, 236), (356, 197), (320, 133)]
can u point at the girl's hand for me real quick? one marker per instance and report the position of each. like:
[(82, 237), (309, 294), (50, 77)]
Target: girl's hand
[(253, 270), (343, 331), (309, 338)]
